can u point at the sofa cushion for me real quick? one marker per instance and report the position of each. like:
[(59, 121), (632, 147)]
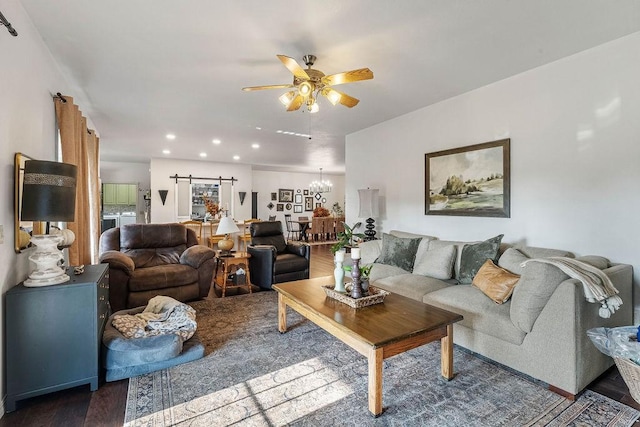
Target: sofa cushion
[(532, 292), (380, 271), (512, 260), (399, 252), (474, 255), (435, 244), (495, 282), (370, 251), (436, 263), (595, 261), (152, 257), (162, 276), (287, 263), (479, 312), (404, 235), (411, 285)]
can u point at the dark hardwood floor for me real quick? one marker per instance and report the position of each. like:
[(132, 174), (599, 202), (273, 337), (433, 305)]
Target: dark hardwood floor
[(106, 406)]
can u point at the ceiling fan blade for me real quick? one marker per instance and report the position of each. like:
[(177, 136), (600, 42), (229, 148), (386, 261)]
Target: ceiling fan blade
[(295, 103), (348, 77), (250, 88), (293, 66), (334, 97)]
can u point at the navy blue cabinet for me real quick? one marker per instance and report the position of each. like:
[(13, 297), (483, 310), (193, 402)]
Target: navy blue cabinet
[(53, 334)]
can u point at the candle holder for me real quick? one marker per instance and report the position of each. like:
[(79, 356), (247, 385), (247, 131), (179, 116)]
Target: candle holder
[(356, 289)]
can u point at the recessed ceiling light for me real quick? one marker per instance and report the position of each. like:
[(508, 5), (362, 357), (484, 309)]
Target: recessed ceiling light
[(166, 152), (278, 131), (171, 136), (216, 141), (258, 128), (255, 145), (203, 154), (236, 157)]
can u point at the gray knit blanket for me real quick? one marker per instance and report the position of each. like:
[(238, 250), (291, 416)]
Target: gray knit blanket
[(162, 315), (596, 284)]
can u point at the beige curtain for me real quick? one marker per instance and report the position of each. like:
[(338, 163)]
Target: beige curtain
[(80, 147)]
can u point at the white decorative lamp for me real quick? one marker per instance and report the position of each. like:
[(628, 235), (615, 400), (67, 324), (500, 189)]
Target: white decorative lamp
[(369, 209), (226, 226), (49, 194)]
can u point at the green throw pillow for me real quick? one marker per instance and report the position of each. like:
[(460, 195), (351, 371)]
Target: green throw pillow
[(399, 252), (474, 255)]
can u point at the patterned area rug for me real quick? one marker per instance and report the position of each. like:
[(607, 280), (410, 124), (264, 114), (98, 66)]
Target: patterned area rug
[(254, 376)]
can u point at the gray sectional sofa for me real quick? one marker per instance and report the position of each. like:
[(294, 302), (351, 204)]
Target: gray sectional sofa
[(540, 331)]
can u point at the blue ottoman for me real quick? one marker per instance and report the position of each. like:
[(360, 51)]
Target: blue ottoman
[(124, 358)]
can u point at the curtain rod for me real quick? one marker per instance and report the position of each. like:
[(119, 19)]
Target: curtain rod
[(220, 179), (62, 99), (59, 96), (6, 23)]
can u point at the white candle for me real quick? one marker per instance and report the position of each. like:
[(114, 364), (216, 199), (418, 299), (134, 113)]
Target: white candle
[(340, 256), (355, 253)]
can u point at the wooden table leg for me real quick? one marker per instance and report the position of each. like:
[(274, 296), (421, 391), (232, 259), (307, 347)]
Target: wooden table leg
[(282, 314), (375, 380), (224, 278), (446, 354), (248, 278)]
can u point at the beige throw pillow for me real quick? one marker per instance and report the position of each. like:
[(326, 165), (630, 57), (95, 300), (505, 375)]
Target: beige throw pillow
[(436, 263), (495, 282)]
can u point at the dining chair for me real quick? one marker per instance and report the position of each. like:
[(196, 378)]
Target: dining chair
[(245, 237), (293, 230), (213, 237), (272, 217), (195, 226), (317, 228)]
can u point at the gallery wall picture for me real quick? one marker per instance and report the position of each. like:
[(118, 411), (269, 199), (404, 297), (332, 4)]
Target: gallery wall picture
[(288, 206), (270, 205), (274, 196), (285, 195), (305, 192), (297, 208), (280, 207), (308, 204), (469, 181), (298, 198)]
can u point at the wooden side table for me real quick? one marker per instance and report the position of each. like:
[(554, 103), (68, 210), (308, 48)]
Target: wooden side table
[(228, 264)]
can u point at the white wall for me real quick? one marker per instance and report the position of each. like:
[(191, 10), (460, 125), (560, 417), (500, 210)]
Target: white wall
[(575, 148), (263, 182), (267, 182), (128, 173), (162, 169), (28, 78)]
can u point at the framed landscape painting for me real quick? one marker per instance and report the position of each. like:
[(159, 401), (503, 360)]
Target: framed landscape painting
[(469, 181)]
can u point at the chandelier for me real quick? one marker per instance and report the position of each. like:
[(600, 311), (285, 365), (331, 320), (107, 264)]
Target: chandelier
[(321, 186)]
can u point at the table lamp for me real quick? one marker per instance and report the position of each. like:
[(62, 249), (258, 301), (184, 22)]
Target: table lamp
[(49, 194), (369, 208), (226, 227)]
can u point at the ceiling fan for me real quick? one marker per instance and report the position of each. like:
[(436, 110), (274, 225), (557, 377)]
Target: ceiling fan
[(310, 83)]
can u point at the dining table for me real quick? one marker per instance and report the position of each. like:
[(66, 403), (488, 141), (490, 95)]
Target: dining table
[(304, 226)]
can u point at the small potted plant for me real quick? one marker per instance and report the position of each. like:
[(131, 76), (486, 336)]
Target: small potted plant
[(347, 238)]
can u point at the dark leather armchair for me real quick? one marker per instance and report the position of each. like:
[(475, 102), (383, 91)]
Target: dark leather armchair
[(146, 260), (272, 259)]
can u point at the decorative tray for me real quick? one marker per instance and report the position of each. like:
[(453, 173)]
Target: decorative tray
[(376, 296)]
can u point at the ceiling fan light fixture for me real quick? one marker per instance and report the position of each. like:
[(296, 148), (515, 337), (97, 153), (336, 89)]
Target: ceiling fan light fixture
[(305, 88), (286, 98), (333, 97), (314, 108)]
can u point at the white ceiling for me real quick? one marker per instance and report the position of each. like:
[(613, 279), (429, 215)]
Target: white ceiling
[(141, 69)]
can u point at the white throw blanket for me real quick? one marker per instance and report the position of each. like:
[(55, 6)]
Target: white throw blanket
[(596, 285), (162, 315)]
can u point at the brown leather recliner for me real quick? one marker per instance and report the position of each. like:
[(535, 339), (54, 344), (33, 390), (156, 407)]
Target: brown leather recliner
[(146, 260)]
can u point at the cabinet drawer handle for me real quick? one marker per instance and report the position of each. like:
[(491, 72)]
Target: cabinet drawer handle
[(101, 297)]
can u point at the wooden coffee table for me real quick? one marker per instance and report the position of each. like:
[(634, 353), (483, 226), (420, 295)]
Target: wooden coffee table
[(377, 332)]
